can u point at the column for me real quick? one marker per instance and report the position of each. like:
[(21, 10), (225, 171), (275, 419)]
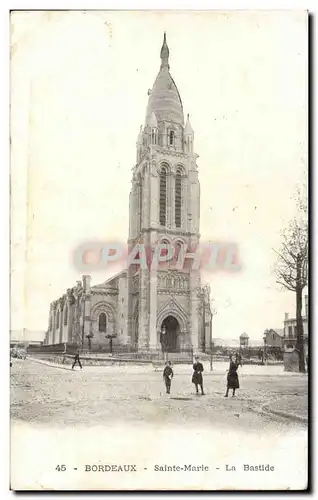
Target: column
[(69, 314), (61, 323), (153, 310), (129, 307), (173, 198), (170, 208), (154, 221), (143, 340), (86, 283), (145, 198), (194, 310), (53, 323), (123, 309), (154, 196)]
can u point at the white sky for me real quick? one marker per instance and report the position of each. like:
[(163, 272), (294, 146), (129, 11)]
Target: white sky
[(79, 86)]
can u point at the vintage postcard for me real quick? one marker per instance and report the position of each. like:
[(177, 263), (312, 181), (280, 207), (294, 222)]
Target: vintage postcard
[(159, 250)]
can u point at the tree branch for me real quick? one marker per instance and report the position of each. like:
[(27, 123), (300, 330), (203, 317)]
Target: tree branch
[(284, 284)]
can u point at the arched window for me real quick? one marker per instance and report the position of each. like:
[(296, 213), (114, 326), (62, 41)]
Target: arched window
[(102, 323), (58, 319), (166, 263), (163, 197), (171, 138), (65, 315), (178, 199)]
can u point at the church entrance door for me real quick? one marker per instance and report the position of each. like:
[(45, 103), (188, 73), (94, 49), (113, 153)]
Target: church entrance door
[(170, 329)]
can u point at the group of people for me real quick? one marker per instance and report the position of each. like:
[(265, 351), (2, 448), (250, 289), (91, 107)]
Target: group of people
[(197, 378)]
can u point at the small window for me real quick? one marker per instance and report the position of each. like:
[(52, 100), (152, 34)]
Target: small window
[(58, 319), (290, 331), (171, 138)]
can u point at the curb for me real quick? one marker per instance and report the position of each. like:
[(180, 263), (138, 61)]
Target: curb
[(292, 416), (50, 364)]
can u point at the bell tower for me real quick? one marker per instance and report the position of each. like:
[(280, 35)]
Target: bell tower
[(164, 207)]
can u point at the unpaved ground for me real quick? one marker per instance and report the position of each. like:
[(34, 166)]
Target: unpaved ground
[(104, 395)]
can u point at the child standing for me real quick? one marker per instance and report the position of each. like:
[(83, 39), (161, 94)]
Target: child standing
[(167, 376)]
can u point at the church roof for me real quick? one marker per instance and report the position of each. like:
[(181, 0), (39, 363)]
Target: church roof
[(164, 99), (110, 283), (279, 331)]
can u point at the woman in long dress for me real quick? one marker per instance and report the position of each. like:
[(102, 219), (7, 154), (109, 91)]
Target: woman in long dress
[(232, 378)]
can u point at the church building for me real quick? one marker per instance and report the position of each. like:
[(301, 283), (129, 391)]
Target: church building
[(146, 309)]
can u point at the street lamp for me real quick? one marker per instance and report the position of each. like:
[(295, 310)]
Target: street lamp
[(89, 337), (110, 337), (163, 342)]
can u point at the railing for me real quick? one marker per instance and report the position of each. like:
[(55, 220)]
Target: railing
[(184, 355)]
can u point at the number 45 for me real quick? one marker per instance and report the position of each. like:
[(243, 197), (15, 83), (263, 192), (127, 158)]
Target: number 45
[(60, 468)]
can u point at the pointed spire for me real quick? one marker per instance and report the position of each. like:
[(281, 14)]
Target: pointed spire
[(188, 130), (164, 53)]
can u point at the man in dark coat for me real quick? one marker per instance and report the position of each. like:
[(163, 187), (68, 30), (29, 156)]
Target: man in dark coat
[(167, 376), (197, 378), (77, 360)]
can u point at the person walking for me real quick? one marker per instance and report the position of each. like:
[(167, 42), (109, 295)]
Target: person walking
[(167, 376), (232, 378), (77, 360), (197, 378)]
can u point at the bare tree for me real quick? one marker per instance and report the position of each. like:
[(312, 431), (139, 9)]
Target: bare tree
[(292, 266)]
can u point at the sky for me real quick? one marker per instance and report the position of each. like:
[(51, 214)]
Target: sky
[(79, 83)]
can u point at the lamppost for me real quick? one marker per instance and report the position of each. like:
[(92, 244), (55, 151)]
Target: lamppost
[(89, 337), (163, 342), (110, 337)]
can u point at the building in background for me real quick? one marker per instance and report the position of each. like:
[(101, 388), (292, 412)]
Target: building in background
[(274, 337), (28, 337), (244, 341), (290, 330)]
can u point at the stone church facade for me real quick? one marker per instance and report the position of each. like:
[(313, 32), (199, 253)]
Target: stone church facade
[(149, 309)]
